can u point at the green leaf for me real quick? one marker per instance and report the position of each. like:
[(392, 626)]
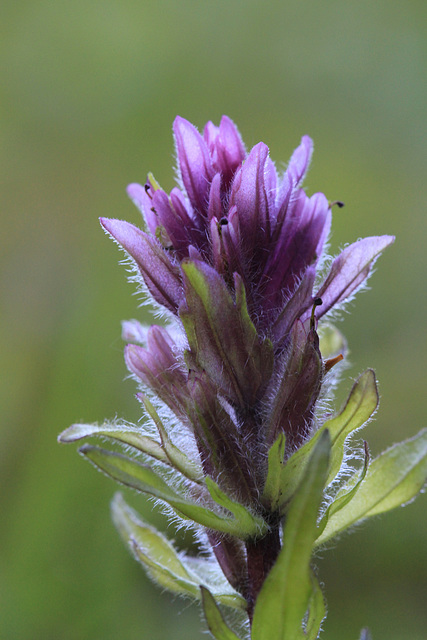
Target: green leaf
[(347, 493), (361, 403), (285, 595), (123, 433), (316, 612), (162, 562), (177, 458), (393, 479), (242, 515), (142, 478), (216, 623), (276, 454)]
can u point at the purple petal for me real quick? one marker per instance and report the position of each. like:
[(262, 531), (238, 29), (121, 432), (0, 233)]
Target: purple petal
[(194, 254), (300, 160), (210, 136), (270, 183), (194, 227), (176, 227), (194, 163), (134, 331), (215, 204), (300, 244), (350, 269), (293, 177), (226, 148), (294, 308), (236, 256), (143, 202), (230, 149), (160, 275), (249, 197), (159, 369)]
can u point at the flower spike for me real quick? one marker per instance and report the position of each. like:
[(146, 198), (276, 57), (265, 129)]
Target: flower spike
[(237, 442)]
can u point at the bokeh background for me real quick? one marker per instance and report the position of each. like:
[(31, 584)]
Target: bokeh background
[(89, 90)]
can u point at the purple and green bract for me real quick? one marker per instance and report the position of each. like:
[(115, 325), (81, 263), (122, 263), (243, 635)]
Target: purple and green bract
[(239, 440)]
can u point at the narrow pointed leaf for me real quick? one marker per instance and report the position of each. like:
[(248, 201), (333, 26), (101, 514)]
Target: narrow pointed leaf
[(316, 612), (276, 455), (177, 458), (393, 479), (142, 478), (130, 436), (361, 403), (346, 494), (216, 623), (242, 515), (285, 594), (162, 562)]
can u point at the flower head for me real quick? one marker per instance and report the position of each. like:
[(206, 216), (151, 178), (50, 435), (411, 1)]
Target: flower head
[(233, 252), (234, 213), (236, 437)]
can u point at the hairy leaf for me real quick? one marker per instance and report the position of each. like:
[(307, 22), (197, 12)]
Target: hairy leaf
[(130, 436), (142, 478), (361, 403), (216, 623), (163, 563), (285, 594), (393, 479)]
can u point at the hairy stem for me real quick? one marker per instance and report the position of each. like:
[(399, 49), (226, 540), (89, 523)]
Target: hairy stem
[(261, 555)]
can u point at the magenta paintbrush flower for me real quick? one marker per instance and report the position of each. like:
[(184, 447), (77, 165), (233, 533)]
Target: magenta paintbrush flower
[(238, 440), (234, 253)]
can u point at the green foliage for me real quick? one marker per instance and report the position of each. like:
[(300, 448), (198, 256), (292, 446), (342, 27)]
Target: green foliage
[(142, 478), (124, 434), (276, 454), (393, 479), (169, 569), (175, 456), (216, 623), (361, 403), (286, 593)]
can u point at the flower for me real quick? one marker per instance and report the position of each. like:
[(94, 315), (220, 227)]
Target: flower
[(234, 254), (237, 441), (236, 215)]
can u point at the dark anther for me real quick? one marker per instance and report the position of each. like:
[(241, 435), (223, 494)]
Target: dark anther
[(316, 303), (339, 204), (147, 188), (223, 221)]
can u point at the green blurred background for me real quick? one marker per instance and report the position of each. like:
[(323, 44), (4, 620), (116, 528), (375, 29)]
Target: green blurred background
[(89, 90)]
